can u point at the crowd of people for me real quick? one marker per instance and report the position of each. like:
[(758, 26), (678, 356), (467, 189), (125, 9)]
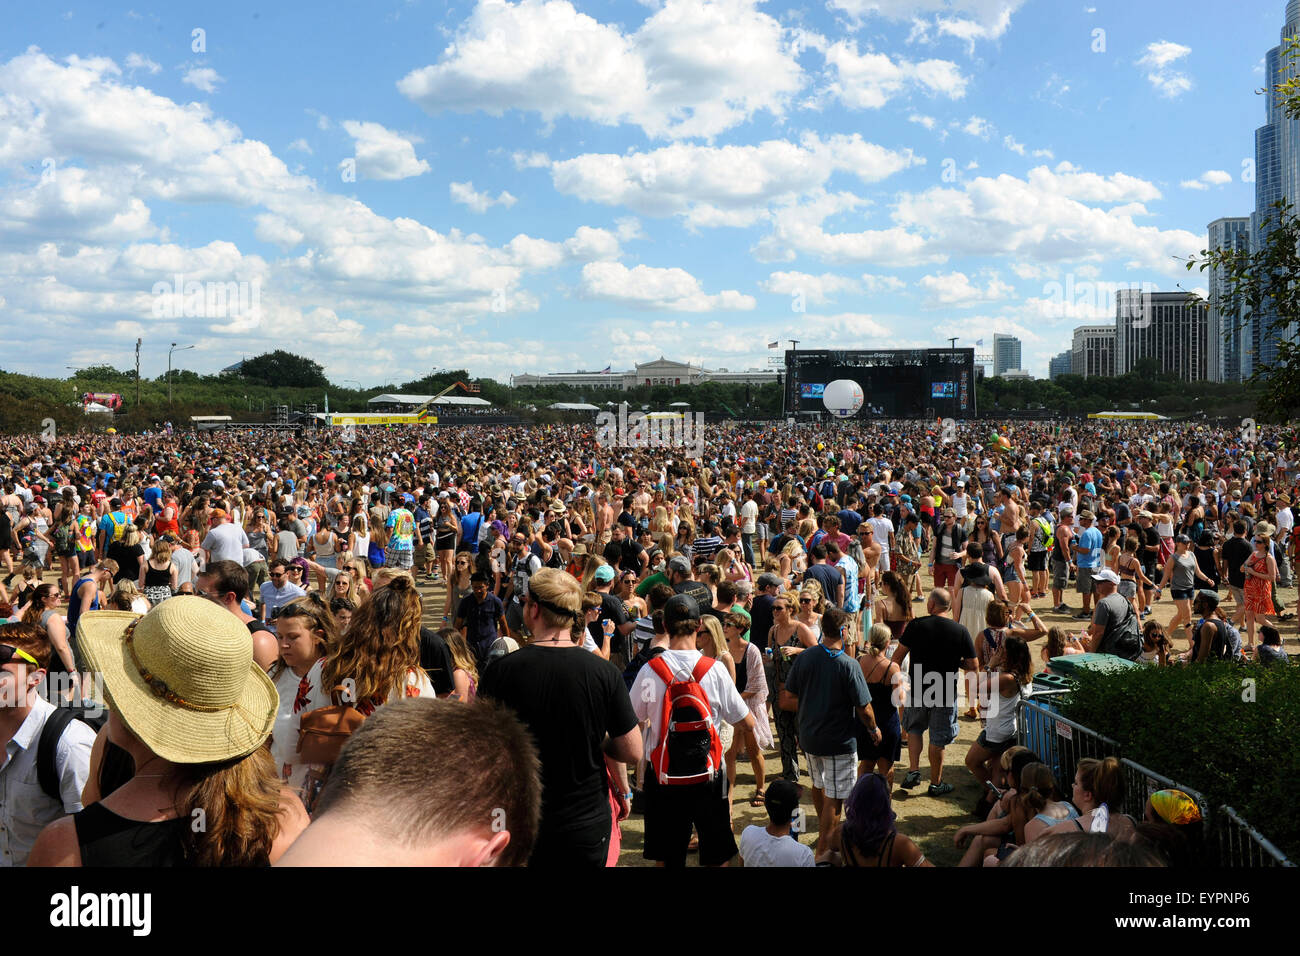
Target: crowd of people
[(621, 629)]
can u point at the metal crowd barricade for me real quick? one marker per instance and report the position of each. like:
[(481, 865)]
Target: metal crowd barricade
[(1140, 782), (1241, 845), (1058, 741)]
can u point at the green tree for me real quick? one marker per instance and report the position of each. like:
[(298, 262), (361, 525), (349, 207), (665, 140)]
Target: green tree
[(284, 370)]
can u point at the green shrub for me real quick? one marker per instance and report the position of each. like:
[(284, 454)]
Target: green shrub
[(1208, 728)]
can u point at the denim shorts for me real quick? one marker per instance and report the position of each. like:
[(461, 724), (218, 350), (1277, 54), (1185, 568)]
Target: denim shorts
[(941, 722), (1179, 594)]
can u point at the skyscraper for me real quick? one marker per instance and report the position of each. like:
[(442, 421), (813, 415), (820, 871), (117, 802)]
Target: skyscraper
[(1277, 177), (1165, 326), (1060, 365), (1006, 351), (1093, 351), (1225, 328)]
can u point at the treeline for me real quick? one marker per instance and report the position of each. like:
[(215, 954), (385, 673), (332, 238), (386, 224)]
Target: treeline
[(281, 378), (1143, 389)]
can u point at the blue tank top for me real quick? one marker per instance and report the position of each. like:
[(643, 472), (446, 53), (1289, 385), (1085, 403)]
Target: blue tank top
[(74, 604)]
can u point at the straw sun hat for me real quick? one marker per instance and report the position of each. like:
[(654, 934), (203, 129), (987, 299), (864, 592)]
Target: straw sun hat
[(182, 678)]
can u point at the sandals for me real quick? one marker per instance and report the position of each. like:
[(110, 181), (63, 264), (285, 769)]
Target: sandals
[(757, 799)]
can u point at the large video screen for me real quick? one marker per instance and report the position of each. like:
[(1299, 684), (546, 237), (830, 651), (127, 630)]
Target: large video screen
[(896, 383)]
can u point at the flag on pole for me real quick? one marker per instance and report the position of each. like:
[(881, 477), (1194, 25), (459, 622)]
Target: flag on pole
[(979, 341), (606, 370), (773, 345)]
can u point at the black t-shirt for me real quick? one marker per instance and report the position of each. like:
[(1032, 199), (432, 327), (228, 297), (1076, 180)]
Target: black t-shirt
[(761, 613), (611, 609), (569, 700), (1150, 539), (127, 558), (435, 658), (613, 553), (630, 557), (1235, 551), (937, 646)]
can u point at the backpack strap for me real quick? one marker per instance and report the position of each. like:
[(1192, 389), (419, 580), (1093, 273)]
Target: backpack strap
[(702, 667), (47, 772), (660, 667)]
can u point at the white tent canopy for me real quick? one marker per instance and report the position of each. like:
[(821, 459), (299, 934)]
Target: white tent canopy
[(94, 408), (573, 407), (392, 399)]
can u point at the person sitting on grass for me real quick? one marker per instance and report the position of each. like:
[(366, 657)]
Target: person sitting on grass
[(1270, 648), (995, 832), (774, 845), (868, 837)]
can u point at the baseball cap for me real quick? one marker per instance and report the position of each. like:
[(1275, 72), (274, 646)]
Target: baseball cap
[(1106, 574), (679, 563), (781, 799), (766, 580), (1086, 515), (680, 607), (604, 573)]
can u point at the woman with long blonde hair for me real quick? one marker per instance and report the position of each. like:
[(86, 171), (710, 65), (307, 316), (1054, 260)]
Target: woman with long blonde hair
[(594, 561), (344, 585), (793, 560), (812, 605), (465, 672), (712, 642)]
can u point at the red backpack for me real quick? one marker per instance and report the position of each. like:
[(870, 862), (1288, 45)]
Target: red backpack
[(689, 749)]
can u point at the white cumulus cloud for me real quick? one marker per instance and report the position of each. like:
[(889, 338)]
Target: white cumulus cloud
[(647, 287), (1158, 61), (202, 78), (382, 153), (691, 69), (467, 195)]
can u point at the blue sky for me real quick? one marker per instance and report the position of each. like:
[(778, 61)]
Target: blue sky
[(545, 186)]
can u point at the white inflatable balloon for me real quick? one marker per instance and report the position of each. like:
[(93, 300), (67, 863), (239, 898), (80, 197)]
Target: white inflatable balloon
[(843, 398)]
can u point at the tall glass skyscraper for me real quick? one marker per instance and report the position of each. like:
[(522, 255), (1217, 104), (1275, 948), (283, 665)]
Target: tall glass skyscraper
[(1006, 350), (1229, 342), (1277, 177)]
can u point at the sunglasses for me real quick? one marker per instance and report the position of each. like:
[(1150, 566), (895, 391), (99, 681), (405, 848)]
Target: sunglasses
[(805, 600), (275, 575), (8, 652)]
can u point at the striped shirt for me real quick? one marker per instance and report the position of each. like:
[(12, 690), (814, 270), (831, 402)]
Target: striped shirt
[(706, 547)]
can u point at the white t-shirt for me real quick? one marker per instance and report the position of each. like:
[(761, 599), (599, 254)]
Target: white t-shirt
[(284, 733), (760, 848), (227, 543), (883, 529), (648, 692), (748, 516)]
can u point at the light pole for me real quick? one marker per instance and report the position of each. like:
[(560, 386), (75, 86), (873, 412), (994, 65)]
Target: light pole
[(174, 348)]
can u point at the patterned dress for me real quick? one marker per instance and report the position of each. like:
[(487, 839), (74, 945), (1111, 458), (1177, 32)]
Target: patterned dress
[(1257, 592)]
